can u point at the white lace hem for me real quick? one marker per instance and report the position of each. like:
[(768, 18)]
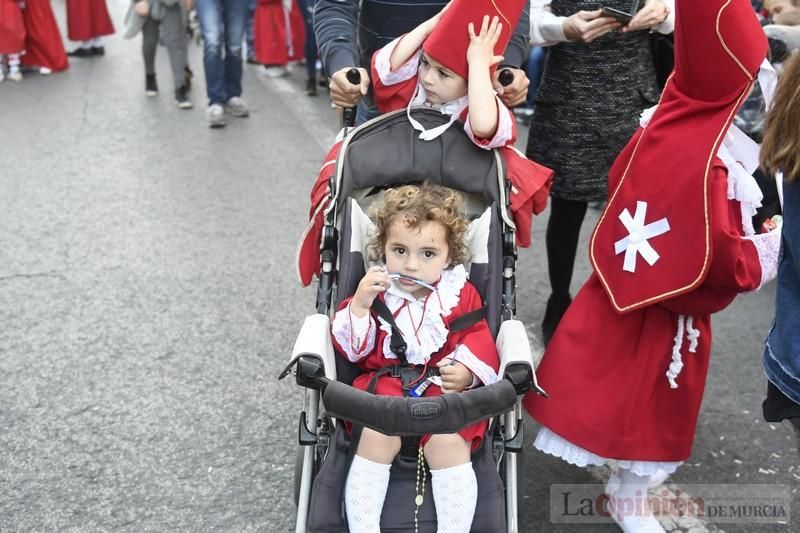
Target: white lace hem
[(552, 444)]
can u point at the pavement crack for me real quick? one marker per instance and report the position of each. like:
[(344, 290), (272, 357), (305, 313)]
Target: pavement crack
[(51, 274)]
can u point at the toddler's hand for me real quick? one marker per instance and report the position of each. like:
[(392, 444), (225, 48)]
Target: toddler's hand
[(481, 46), (455, 376), (374, 282)]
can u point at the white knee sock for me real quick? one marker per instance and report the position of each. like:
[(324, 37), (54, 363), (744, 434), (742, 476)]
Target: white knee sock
[(455, 493), (629, 506), (364, 492)]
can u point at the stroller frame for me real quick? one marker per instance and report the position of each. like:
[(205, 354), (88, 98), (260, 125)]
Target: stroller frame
[(315, 361)]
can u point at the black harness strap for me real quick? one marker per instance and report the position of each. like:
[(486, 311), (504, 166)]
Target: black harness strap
[(468, 320)]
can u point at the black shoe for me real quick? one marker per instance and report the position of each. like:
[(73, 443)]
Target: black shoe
[(311, 87), (323, 82), (182, 97), (99, 50), (81, 52), (150, 85), (556, 307), (252, 61)]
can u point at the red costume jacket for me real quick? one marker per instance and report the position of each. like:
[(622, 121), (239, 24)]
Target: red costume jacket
[(474, 347)]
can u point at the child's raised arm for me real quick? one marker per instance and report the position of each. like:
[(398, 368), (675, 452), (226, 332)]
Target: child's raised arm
[(412, 41), (483, 113)]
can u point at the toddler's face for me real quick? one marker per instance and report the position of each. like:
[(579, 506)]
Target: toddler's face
[(441, 84), (776, 7), (420, 252)]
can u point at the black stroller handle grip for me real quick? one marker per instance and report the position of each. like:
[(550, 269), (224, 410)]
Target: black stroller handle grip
[(506, 77), (349, 113), (405, 416)]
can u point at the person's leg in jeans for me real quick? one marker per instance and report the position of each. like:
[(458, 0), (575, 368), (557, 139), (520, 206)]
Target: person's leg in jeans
[(149, 47), (307, 8), (209, 13), (235, 16), (249, 33)]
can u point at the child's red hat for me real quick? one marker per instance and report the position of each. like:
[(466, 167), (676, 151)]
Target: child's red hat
[(664, 173), (448, 42)]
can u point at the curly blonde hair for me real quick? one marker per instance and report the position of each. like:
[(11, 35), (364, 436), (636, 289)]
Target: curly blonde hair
[(415, 205)]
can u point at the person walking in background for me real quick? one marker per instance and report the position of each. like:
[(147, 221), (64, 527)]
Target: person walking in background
[(599, 75), (780, 152), (12, 39), (222, 24), (87, 22), (166, 18), (279, 35), (379, 22), (310, 48), (43, 46)]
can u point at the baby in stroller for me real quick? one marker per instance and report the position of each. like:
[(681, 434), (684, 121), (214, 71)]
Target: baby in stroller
[(420, 242)]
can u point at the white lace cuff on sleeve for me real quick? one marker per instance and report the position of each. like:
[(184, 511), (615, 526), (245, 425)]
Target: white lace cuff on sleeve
[(355, 335), (768, 246), (505, 129), (383, 65)]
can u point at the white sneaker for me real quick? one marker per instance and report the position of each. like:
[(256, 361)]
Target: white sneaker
[(44, 71), (237, 107), (216, 116), (276, 71), (15, 75)]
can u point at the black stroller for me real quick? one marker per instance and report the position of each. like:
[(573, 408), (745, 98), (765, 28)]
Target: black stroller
[(381, 154)]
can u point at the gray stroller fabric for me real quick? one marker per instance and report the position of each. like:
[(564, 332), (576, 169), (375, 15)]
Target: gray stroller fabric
[(327, 515)]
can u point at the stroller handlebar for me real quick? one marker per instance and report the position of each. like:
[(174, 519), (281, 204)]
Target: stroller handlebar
[(406, 416)]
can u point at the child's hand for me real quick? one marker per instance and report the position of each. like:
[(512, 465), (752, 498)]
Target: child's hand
[(374, 282), (455, 376), (481, 47)]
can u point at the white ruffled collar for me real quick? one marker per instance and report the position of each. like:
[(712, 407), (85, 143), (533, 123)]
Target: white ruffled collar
[(431, 333), (739, 153), (453, 108)]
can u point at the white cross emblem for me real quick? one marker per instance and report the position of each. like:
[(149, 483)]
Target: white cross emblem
[(638, 234)]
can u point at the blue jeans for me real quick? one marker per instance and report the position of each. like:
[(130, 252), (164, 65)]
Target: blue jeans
[(307, 8), (222, 21), (249, 34)]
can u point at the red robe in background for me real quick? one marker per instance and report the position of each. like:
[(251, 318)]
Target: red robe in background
[(12, 28), (43, 44), (274, 44), (87, 19)]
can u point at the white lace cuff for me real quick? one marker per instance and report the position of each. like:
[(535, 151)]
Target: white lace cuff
[(768, 246), (479, 369), (356, 336), (383, 65), (505, 129)]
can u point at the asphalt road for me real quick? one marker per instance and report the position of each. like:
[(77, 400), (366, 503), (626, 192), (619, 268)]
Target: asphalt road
[(148, 301)]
